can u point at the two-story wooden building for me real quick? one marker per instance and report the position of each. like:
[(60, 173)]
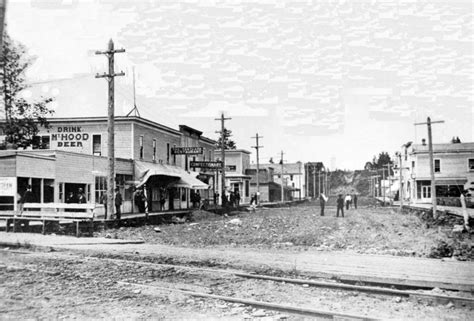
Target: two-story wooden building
[(73, 155), (453, 169)]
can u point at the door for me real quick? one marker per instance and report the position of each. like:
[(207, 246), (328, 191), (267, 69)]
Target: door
[(426, 193)]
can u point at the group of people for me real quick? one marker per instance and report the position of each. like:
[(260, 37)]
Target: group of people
[(347, 201), (233, 200), (79, 197), (118, 200)]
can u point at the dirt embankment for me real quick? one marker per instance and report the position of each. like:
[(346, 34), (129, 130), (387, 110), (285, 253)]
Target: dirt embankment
[(367, 230)]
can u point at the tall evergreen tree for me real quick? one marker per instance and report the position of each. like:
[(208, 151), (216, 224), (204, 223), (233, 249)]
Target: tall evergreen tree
[(228, 143), (23, 118)]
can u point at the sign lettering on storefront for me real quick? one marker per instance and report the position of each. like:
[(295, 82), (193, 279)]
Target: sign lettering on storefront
[(212, 165), (7, 186), (186, 150), (69, 136)]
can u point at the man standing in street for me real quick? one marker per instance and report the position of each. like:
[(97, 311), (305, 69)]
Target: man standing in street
[(340, 205), (118, 204), (322, 202), (348, 201), (355, 201)]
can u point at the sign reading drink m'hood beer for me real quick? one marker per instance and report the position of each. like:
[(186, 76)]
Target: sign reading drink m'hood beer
[(69, 136), (186, 150)]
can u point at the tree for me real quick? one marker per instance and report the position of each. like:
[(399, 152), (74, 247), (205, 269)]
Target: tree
[(228, 143), (23, 118)]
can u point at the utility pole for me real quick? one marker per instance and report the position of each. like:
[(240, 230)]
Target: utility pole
[(432, 174), (314, 182), (400, 193), (110, 122), (257, 147), (389, 167), (282, 189), (3, 9), (319, 182), (222, 120)]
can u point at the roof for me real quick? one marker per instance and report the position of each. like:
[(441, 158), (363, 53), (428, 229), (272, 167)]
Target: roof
[(288, 168), (446, 148), (230, 151), (190, 129)]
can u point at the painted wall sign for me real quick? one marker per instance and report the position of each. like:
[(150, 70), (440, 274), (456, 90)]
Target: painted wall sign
[(214, 165), (186, 150), (70, 136), (7, 186)]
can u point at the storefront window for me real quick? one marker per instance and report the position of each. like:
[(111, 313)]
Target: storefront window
[(48, 190), (100, 187)]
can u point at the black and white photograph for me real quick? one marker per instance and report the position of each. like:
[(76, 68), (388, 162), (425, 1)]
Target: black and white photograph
[(236, 160)]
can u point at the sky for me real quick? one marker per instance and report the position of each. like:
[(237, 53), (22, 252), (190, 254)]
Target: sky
[(331, 81)]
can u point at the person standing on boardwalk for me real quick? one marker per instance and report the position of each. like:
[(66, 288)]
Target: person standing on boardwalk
[(237, 198), (103, 201), (118, 204), (340, 205), (322, 202), (27, 197), (355, 201)]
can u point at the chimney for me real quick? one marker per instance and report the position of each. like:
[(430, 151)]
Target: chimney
[(423, 142)]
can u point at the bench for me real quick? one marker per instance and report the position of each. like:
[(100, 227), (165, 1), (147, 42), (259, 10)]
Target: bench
[(50, 212)]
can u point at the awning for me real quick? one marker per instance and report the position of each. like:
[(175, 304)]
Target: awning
[(145, 170), (446, 180), (189, 181)]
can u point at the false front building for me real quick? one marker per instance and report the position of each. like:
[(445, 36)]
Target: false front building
[(73, 155)]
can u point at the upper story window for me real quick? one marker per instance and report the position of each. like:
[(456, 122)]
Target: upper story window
[(140, 143), (154, 149), (471, 164), (97, 145), (412, 164), (232, 168), (204, 154), (167, 153), (437, 165), (174, 156), (291, 177)]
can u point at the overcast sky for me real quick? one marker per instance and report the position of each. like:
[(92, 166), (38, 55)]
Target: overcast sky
[(331, 81)]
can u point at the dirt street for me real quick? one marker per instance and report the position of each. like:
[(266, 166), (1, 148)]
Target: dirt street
[(73, 285)]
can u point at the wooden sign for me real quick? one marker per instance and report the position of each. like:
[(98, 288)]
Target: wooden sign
[(202, 164), (187, 150)]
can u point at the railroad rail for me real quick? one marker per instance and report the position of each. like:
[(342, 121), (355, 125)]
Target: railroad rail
[(386, 290)]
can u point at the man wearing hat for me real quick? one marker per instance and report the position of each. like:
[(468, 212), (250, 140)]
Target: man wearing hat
[(118, 203)]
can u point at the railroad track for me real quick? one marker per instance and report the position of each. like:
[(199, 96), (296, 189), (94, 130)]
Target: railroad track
[(455, 300)]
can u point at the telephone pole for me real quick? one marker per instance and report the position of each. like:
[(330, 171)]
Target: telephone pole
[(257, 147), (282, 189), (432, 175), (222, 120), (110, 122)]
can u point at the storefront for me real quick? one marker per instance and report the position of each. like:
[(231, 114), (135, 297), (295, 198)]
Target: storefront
[(75, 158)]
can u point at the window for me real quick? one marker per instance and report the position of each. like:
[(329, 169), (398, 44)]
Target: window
[(247, 188), (45, 142), (97, 145), (437, 165), (471, 164), (210, 155), (232, 168), (204, 155), (167, 153), (174, 156), (100, 187), (413, 164), (291, 177), (154, 150), (140, 143)]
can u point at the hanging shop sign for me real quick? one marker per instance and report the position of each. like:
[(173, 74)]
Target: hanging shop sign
[(203, 164), (187, 150)]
